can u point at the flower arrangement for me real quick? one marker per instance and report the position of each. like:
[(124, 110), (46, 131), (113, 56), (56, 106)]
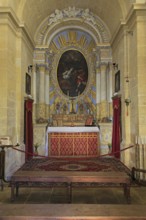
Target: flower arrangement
[(109, 146), (36, 145)]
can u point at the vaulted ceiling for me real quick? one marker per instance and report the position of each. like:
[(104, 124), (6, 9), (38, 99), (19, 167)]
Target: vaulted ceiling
[(33, 12)]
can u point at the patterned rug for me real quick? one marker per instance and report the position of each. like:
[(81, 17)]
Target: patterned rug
[(76, 164)]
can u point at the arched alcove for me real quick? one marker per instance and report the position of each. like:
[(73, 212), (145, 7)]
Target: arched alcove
[(79, 30)]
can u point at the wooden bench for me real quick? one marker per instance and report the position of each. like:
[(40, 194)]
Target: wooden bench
[(28, 178)]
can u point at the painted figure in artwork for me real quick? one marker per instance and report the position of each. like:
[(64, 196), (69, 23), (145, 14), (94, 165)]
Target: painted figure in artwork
[(72, 73)]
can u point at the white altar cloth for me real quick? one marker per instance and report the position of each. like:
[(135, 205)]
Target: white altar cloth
[(67, 129)]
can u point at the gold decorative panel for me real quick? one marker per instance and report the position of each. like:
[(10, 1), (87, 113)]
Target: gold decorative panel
[(74, 40)]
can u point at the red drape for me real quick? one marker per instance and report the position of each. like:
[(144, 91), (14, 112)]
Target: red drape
[(28, 129), (116, 126)]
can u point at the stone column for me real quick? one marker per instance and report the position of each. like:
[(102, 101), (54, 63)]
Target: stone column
[(41, 111), (47, 97), (98, 91), (49, 58), (103, 81), (34, 95), (109, 91)]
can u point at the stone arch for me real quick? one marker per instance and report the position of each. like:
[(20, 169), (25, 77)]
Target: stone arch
[(71, 17), (50, 35), (71, 32)]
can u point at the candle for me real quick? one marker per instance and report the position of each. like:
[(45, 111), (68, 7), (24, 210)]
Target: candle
[(136, 139)]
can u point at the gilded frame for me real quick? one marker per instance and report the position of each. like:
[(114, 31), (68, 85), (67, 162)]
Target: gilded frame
[(72, 73), (55, 63)]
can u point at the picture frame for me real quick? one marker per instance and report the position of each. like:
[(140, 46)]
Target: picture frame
[(117, 81), (28, 84), (89, 121)]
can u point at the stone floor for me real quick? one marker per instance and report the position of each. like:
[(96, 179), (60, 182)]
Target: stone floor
[(52, 195), (87, 203)]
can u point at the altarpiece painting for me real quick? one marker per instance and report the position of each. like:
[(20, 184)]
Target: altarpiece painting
[(72, 73)]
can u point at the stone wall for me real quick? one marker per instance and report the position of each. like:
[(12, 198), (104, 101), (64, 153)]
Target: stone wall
[(129, 53), (13, 160), (40, 137), (105, 137), (16, 51)]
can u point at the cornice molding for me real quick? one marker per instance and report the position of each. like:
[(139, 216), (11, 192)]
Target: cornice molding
[(136, 10), (10, 13), (7, 14), (139, 6)]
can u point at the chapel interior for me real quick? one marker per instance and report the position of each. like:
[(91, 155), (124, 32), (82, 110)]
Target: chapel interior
[(69, 67)]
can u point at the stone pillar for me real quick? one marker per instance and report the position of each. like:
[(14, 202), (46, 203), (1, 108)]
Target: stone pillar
[(98, 91), (141, 77), (41, 110), (103, 81), (109, 91), (34, 96), (42, 84), (47, 97)]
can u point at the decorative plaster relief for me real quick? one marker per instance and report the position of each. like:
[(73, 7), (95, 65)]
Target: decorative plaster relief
[(41, 111), (73, 12), (75, 16)]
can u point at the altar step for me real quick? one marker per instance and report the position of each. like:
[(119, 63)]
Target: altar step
[(72, 212)]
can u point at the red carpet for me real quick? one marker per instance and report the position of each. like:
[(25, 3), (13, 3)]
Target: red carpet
[(76, 164)]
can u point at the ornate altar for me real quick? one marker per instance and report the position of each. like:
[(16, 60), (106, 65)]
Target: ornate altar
[(72, 141), (70, 119)]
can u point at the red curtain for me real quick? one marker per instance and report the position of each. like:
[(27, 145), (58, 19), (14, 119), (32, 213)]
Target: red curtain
[(116, 127), (28, 129)]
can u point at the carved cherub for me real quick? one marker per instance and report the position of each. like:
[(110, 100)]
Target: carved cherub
[(87, 16), (72, 12), (54, 17)]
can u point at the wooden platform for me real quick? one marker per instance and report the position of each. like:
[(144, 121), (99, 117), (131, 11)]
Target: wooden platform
[(72, 212), (28, 178)]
